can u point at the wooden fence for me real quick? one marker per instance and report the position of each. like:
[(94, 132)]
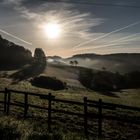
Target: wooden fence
[(100, 105)]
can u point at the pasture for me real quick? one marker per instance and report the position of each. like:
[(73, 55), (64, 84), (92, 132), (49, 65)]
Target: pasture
[(66, 127)]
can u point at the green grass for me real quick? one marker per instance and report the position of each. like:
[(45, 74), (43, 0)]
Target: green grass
[(12, 129), (65, 127)]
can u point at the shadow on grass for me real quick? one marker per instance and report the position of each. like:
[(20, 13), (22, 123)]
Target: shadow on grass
[(108, 93), (9, 133), (27, 72), (8, 68)]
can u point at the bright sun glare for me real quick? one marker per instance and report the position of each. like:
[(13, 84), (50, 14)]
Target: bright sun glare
[(52, 30)]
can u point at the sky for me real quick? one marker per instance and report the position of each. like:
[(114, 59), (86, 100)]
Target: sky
[(87, 26)]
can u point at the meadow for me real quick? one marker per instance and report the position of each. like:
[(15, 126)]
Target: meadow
[(65, 127)]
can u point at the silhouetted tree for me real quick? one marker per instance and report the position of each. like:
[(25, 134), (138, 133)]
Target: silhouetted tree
[(132, 79), (104, 68), (71, 62), (76, 62), (12, 55), (39, 57)]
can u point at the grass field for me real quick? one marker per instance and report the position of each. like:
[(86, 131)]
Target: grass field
[(66, 127)]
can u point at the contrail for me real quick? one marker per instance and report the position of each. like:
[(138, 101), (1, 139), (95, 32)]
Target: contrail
[(98, 47), (130, 25), (124, 38), (108, 45), (15, 37)]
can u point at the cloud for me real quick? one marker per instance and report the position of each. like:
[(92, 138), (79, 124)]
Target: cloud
[(73, 21), (107, 34), (115, 42), (13, 2), (22, 40), (19, 7)]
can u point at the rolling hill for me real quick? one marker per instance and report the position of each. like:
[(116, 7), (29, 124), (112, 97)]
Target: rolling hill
[(68, 74), (122, 62)]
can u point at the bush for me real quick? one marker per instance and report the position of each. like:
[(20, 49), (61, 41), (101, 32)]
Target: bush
[(132, 79), (48, 82), (101, 80), (85, 77), (108, 81)]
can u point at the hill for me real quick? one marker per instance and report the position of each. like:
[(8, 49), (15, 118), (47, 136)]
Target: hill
[(123, 62), (68, 74), (13, 56)]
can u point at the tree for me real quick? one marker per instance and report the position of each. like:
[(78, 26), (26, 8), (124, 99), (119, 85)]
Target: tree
[(71, 62), (13, 56), (104, 68), (39, 57), (76, 62)]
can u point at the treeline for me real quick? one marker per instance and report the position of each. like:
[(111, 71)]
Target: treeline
[(12, 55), (86, 55), (107, 81), (116, 56)]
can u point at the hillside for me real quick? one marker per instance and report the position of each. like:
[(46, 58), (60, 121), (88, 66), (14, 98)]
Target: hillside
[(68, 74), (12, 55), (122, 62)]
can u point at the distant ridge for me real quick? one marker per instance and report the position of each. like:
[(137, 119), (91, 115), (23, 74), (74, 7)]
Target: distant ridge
[(54, 57), (90, 55), (119, 62)]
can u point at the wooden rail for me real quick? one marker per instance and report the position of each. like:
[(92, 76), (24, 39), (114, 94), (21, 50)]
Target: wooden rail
[(100, 105)]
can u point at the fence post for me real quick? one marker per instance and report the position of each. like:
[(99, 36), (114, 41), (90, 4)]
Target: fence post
[(5, 100), (25, 105), (100, 119), (85, 116), (49, 112), (8, 102)]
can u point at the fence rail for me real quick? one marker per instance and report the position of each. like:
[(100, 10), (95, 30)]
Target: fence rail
[(100, 105), (116, 105)]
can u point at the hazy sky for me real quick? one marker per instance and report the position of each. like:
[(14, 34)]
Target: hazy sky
[(87, 26)]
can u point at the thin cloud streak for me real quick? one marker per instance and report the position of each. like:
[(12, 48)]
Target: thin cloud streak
[(98, 47), (101, 37), (15, 37), (126, 39), (113, 43)]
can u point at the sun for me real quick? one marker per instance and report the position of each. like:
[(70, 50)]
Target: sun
[(53, 30)]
